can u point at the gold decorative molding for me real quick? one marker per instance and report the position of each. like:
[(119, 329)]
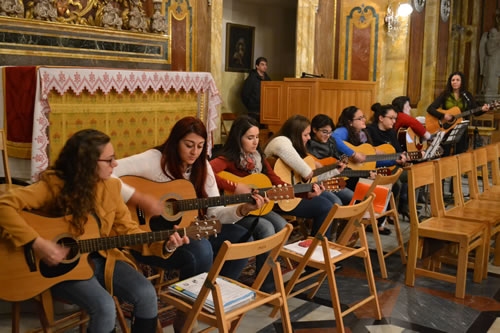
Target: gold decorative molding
[(306, 24)]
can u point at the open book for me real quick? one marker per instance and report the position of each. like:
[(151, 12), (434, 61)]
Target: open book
[(233, 295)]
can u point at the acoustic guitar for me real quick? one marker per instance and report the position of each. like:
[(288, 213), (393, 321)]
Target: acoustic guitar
[(257, 180), (389, 154), (433, 124), (352, 173), (24, 276), (289, 176), (181, 204), (409, 140)]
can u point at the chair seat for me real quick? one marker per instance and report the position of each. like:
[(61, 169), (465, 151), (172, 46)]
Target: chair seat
[(490, 195), (449, 229), (482, 205), (474, 213)]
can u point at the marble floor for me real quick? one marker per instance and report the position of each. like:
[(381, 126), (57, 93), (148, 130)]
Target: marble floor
[(430, 306)]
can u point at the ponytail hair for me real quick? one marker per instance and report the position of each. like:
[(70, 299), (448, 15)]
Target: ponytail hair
[(380, 111)]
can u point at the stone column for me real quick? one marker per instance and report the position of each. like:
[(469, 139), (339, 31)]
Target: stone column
[(306, 23), (216, 49)]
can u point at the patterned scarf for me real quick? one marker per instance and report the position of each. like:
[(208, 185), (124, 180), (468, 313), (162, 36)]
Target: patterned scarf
[(251, 163)]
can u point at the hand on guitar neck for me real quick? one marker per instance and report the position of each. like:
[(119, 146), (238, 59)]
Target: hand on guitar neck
[(260, 201)]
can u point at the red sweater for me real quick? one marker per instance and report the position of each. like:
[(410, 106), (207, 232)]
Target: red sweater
[(222, 164), (406, 121)]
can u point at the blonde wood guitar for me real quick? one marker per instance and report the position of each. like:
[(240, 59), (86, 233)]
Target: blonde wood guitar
[(410, 141), (433, 124), (388, 153), (24, 275), (254, 181), (352, 173), (289, 176), (180, 203)]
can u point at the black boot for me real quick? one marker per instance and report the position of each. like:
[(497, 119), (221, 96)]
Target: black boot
[(143, 325)]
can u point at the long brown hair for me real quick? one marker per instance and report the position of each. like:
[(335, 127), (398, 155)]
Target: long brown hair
[(293, 129), (77, 167), (345, 120), (171, 160)]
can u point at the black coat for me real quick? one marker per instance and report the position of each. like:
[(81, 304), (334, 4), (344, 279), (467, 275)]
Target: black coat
[(250, 95)]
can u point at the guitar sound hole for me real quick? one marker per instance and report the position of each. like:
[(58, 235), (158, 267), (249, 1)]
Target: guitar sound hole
[(63, 268), (171, 207)]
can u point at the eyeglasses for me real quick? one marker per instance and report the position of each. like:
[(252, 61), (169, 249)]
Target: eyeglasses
[(110, 161), (392, 118), (325, 132), (359, 118)]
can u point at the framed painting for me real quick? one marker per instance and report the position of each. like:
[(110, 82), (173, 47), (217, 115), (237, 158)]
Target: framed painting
[(239, 47)]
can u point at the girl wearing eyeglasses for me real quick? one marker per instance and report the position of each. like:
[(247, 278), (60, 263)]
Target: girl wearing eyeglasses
[(80, 184)]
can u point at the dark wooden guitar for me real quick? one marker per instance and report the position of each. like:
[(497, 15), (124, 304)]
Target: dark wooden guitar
[(24, 276), (433, 124)]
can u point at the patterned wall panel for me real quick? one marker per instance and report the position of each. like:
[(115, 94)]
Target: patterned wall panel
[(181, 28), (135, 121), (361, 44)]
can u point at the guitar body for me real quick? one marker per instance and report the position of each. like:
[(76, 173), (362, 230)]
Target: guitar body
[(366, 149), (415, 145), (433, 124), (255, 181), (288, 175), (165, 192), (18, 282)]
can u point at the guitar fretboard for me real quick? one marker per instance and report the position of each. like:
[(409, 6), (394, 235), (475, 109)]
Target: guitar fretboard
[(354, 173), (326, 168), (106, 243), (194, 204)]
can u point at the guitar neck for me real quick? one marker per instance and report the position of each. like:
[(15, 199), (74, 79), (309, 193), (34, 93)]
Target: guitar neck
[(354, 173), (193, 204), (468, 112), (106, 243), (383, 157), (326, 168)]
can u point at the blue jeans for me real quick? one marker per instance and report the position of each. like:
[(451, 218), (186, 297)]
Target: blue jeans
[(128, 285), (191, 259), (345, 196), (316, 208), (235, 234), (267, 225)]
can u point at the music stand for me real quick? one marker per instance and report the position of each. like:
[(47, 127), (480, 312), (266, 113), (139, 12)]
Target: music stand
[(456, 133), (434, 146)]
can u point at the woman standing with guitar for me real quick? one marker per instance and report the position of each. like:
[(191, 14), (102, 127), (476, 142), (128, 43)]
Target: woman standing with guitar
[(455, 95), (289, 144), (79, 183)]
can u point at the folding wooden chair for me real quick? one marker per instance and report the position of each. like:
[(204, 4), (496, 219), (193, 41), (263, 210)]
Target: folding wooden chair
[(45, 306), (229, 116), (486, 203), (468, 235), (392, 211), (229, 321), (326, 268)]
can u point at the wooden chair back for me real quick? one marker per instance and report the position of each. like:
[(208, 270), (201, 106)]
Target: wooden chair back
[(229, 321), (467, 167), (492, 159), (419, 176), (5, 157), (447, 167), (481, 163), (229, 116)]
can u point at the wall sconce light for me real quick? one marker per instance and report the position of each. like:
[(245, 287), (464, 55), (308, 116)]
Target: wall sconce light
[(393, 17)]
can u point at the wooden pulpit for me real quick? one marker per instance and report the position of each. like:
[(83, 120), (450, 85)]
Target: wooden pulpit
[(309, 97)]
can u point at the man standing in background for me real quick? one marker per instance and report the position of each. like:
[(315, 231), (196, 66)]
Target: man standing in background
[(250, 94)]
